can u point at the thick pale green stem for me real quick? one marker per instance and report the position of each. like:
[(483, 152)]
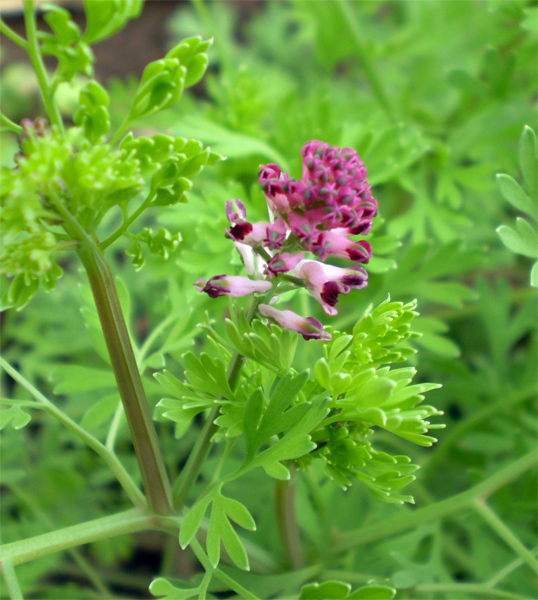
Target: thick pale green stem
[(63, 539), (39, 67), (137, 410)]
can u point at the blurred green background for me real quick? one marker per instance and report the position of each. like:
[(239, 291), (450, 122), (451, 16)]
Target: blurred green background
[(434, 96)]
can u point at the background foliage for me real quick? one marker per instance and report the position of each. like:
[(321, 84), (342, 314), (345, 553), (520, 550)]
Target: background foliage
[(435, 97)]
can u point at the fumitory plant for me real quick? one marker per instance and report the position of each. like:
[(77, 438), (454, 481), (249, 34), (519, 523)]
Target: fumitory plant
[(282, 392)]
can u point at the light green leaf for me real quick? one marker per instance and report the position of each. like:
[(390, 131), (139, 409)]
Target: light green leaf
[(193, 520), (100, 412), (16, 415), (513, 193), (329, 590), (238, 513), (522, 241), (373, 592), (106, 17), (70, 379), (528, 159), (277, 470), (163, 587)]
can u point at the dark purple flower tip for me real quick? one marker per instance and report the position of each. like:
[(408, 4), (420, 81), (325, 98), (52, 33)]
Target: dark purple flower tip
[(240, 231), (361, 252), (212, 289), (362, 228), (231, 285), (330, 292), (315, 331), (309, 328), (282, 263)]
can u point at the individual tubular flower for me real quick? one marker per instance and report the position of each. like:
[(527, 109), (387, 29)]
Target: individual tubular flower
[(337, 244), (251, 234), (231, 285), (326, 282), (282, 263), (308, 327)]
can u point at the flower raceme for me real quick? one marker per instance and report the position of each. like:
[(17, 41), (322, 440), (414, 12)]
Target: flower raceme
[(320, 214)]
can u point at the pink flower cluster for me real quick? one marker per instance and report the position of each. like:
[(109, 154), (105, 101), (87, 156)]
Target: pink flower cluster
[(319, 214)]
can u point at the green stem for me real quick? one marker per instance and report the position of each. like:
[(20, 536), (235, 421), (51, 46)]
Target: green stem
[(114, 427), (465, 588), (39, 68), (10, 124), (11, 580), (439, 510), (137, 410), (369, 70), (14, 37), (500, 575), (120, 131), (202, 590), (226, 579), (122, 523), (505, 533), (199, 453), (287, 521), (135, 495), (127, 223)]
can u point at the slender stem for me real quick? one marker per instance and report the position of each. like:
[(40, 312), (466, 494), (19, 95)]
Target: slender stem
[(127, 223), (369, 70), (202, 593), (231, 583), (137, 410), (11, 580), (10, 124), (466, 588), (35, 547), (500, 575), (199, 453), (439, 510), (14, 37), (131, 489), (114, 427), (287, 521), (39, 68), (505, 533), (120, 131)]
